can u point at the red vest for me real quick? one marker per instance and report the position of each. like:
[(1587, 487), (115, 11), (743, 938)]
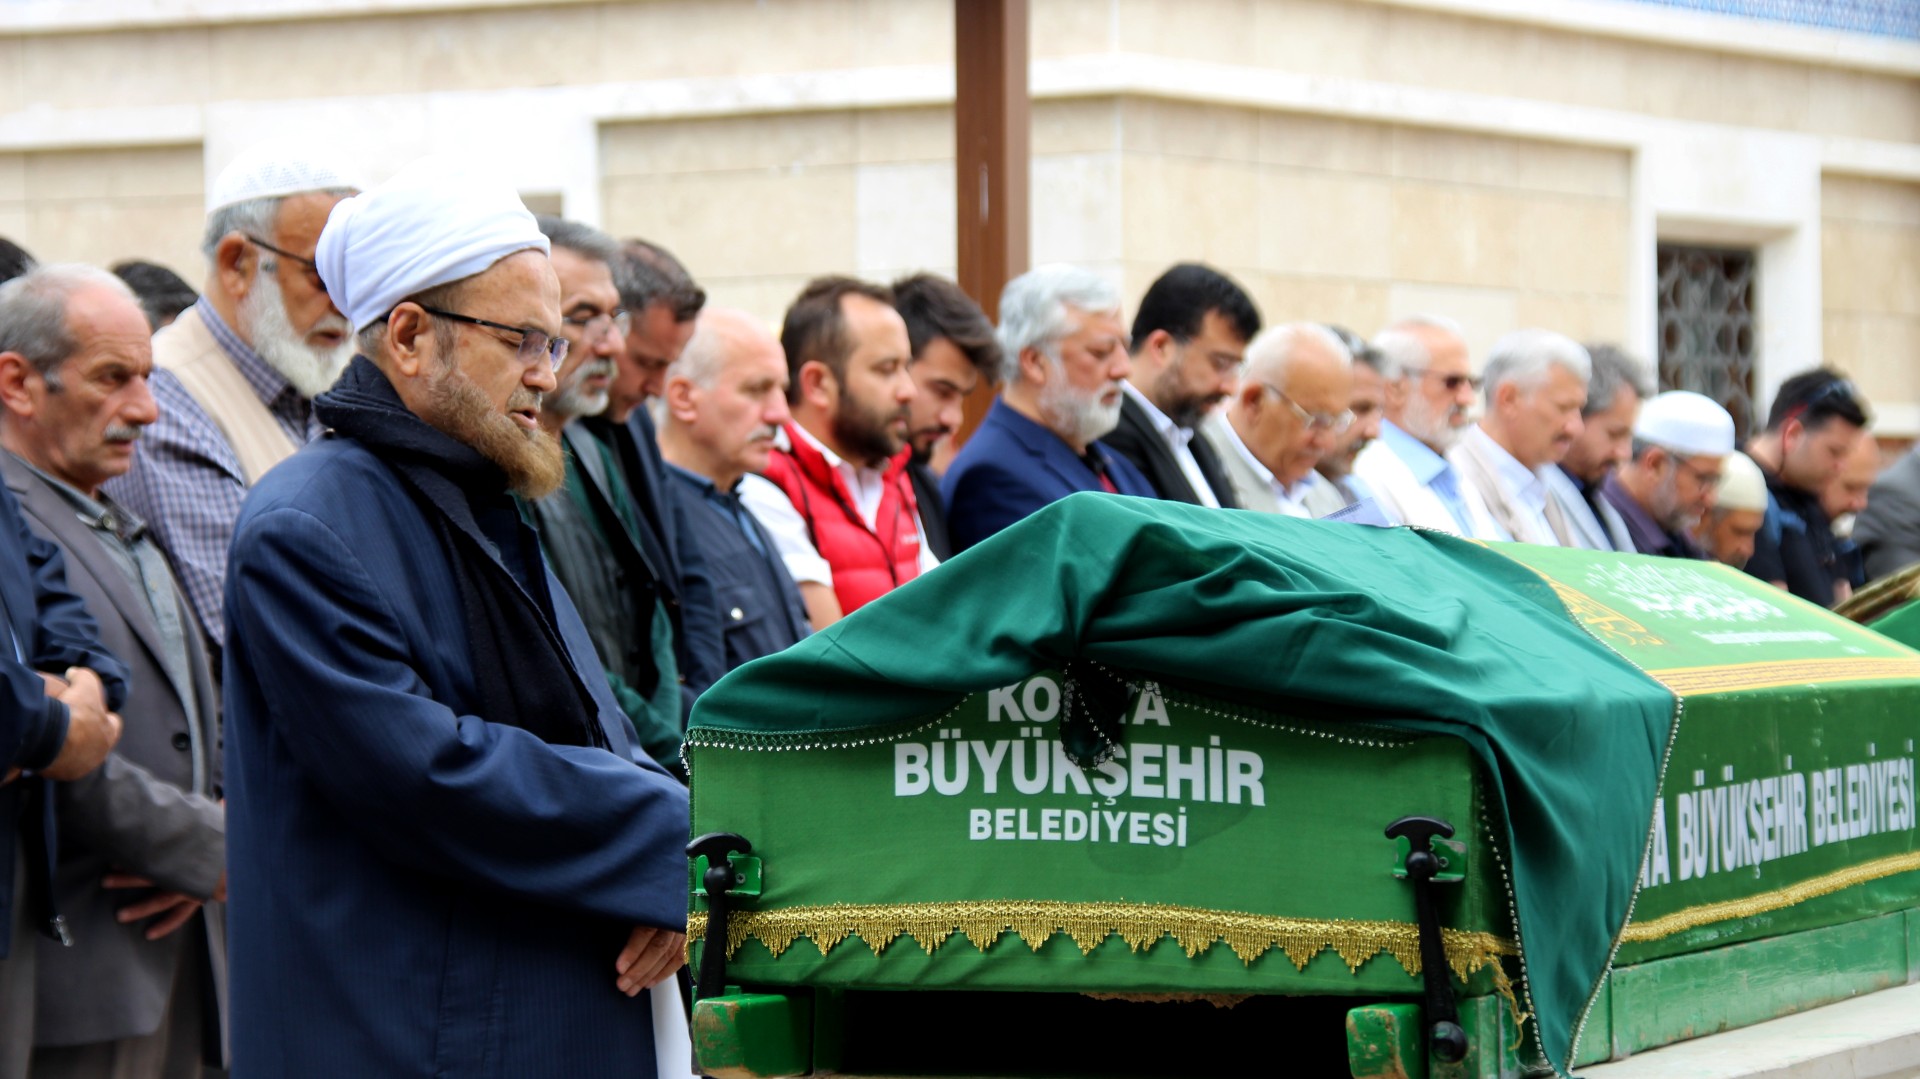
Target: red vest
[(867, 562)]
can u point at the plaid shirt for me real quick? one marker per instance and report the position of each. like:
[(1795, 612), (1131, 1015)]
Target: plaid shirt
[(186, 481)]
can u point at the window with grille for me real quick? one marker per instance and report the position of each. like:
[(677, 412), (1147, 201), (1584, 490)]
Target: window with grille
[(1707, 333)]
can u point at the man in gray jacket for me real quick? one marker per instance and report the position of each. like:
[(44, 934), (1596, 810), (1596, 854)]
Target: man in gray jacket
[(142, 839)]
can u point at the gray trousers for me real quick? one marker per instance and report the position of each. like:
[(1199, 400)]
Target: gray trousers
[(175, 1051)]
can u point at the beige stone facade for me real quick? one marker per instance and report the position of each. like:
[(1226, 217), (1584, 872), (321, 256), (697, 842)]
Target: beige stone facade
[(1350, 160)]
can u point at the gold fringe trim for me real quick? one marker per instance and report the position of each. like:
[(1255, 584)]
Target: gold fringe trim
[(1728, 678), (1793, 894), (1141, 925)]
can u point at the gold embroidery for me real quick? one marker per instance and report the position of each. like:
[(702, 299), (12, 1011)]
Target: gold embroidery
[(1793, 894), (1731, 677), (1600, 618), (1141, 925)]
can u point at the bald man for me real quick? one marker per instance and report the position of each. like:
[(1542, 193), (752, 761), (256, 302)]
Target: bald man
[(1288, 413), (725, 399)]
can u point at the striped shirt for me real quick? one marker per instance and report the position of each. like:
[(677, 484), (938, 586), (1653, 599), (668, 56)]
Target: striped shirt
[(186, 482)]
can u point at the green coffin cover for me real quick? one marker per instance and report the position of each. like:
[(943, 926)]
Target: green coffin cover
[(1290, 623), (1902, 624)]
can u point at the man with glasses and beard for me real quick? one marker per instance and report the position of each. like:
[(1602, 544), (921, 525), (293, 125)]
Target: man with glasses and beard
[(1190, 335), (590, 528), (235, 374), (1430, 389), (1680, 443), (836, 496), (1063, 348), (443, 855)]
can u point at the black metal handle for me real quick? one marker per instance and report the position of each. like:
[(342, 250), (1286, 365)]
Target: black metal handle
[(718, 880), (1446, 1040)]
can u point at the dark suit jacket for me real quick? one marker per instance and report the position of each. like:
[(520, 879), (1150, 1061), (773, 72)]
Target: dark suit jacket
[(1888, 530), (1137, 441), (669, 538), (139, 811), (1012, 466), (417, 890), (933, 510), (52, 630)]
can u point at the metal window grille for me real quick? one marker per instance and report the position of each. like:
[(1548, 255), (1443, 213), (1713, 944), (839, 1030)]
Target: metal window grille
[(1707, 332)]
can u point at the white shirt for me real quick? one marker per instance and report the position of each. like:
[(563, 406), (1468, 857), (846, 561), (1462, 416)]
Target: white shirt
[(1178, 439), (777, 514), (1290, 497)]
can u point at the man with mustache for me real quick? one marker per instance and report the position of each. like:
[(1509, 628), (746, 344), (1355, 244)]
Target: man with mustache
[(590, 528), (726, 399), (953, 351), (1536, 386), (135, 991), (835, 495), (1679, 444), (1190, 335), (1619, 384), (1064, 352), (1430, 388), (1369, 392), (444, 856), (237, 372)]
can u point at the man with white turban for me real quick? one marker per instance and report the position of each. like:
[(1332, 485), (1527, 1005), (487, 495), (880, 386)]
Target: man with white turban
[(442, 856), (235, 374), (1739, 509), (1680, 443)]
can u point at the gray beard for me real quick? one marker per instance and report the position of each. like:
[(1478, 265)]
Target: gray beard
[(263, 318)]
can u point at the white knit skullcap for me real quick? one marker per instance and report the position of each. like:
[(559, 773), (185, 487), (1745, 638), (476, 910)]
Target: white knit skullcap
[(1686, 423), (434, 223), (274, 170), (1742, 485)]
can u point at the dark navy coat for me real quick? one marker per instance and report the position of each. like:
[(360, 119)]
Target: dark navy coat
[(1012, 466), (47, 629), (415, 891)]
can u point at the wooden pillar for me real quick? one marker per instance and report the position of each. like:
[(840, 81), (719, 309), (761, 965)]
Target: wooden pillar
[(990, 122)]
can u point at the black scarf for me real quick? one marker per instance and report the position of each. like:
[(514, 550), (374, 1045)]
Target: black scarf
[(521, 669)]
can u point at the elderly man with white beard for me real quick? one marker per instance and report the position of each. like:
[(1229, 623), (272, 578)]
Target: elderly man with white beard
[(590, 528), (1063, 349), (235, 375), (1430, 388)]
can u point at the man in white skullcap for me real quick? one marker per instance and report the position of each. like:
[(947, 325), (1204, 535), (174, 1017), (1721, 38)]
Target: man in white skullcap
[(1679, 443), (443, 857), (234, 376), (1739, 509)]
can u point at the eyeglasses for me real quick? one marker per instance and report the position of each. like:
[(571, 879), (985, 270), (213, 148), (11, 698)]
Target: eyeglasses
[(1451, 382), (1335, 422), (1708, 480), (534, 344), (592, 326), (307, 264)]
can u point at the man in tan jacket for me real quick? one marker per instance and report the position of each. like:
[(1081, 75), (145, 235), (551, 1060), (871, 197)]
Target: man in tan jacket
[(236, 373)]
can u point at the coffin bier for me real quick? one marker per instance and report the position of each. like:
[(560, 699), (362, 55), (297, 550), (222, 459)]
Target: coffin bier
[(1128, 770)]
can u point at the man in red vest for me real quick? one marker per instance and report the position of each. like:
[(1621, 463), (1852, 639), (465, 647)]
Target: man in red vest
[(836, 496)]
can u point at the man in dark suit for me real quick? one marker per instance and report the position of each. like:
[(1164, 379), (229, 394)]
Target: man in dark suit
[(662, 301), (53, 726), (953, 351), (1189, 340), (128, 999), (443, 856), (1065, 352)]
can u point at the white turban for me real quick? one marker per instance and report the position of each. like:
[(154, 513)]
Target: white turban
[(275, 170), (434, 223), (1687, 423), (1742, 485)]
